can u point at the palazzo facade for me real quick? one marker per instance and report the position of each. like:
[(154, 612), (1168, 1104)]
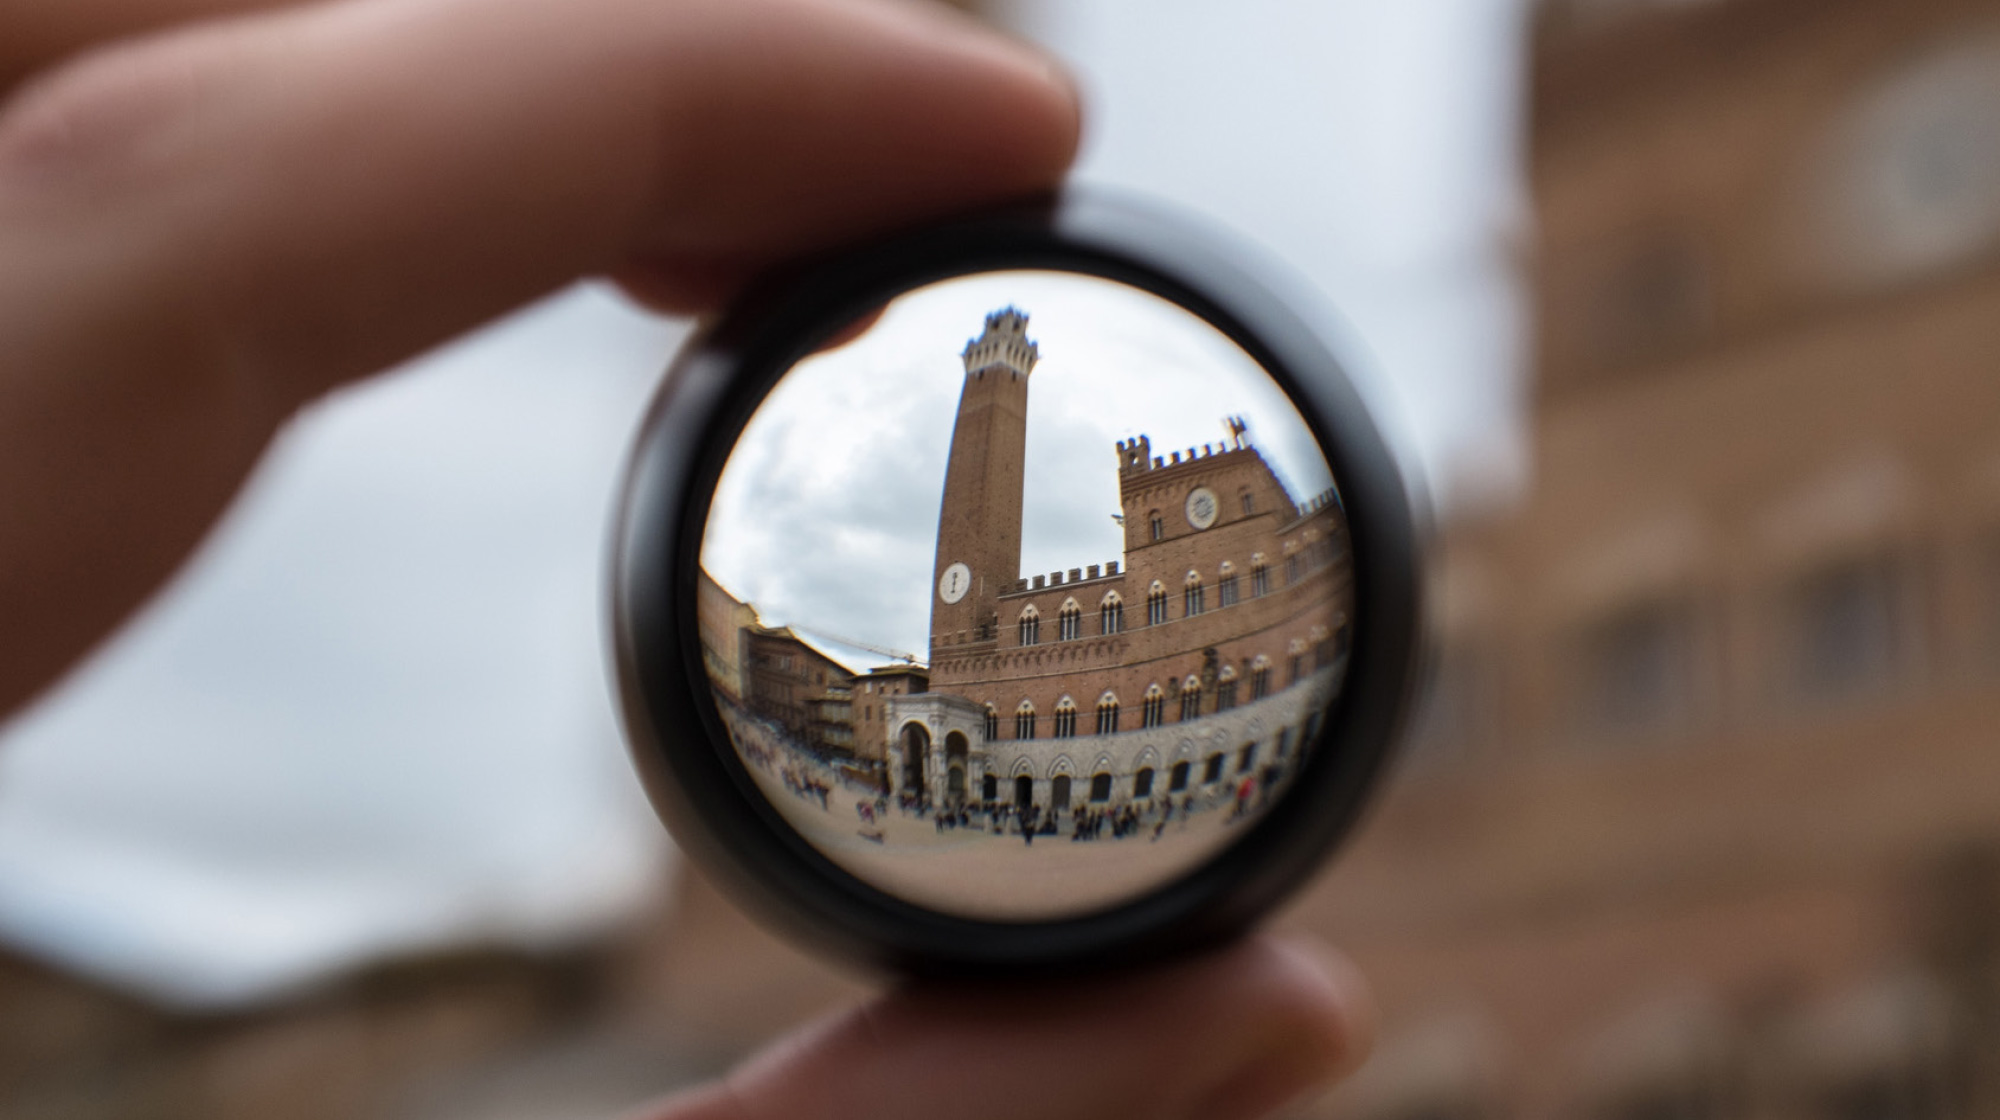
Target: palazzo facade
[(1208, 648)]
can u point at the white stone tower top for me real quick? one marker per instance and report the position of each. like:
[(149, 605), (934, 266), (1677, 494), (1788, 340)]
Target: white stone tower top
[(1003, 343)]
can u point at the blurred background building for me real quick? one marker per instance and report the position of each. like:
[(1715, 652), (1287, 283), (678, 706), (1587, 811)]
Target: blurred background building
[(1702, 815), (1703, 819)]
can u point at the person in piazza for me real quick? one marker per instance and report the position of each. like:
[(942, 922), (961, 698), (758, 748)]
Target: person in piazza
[(214, 211)]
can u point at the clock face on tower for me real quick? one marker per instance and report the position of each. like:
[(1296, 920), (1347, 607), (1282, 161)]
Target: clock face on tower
[(954, 583), (1202, 507)]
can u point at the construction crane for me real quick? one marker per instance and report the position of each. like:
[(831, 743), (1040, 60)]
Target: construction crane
[(836, 639)]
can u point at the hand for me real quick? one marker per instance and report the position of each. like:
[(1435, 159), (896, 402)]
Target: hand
[(1226, 1037), (205, 228)]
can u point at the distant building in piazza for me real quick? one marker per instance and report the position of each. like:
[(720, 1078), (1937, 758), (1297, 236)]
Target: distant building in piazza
[(1170, 669), (872, 692), (723, 622)]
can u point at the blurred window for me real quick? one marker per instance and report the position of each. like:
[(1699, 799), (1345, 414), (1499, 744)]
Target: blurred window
[(1455, 710), (1154, 712), (1193, 596), (1845, 626), (1650, 300), (1156, 605), (1065, 719), (1069, 622), (1031, 626), (1024, 721), (1638, 668)]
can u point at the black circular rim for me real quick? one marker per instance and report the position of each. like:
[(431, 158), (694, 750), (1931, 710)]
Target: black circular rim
[(685, 758)]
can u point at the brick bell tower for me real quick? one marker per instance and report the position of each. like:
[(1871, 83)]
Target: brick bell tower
[(979, 520)]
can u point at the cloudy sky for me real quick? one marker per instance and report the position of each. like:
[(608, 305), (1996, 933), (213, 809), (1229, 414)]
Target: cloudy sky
[(844, 463), (374, 715)]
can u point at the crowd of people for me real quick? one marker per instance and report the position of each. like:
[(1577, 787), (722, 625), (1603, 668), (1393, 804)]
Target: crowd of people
[(765, 744)]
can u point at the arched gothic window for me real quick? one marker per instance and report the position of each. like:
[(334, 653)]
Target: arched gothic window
[(1191, 698), (1024, 720), (1107, 714), (1156, 525), (1111, 614), (1065, 718), (1260, 677), (1156, 604), (1154, 712), (1193, 595), (1069, 622), (1260, 576), (1225, 689), (1225, 585), (1031, 626), (992, 724), (1296, 654)]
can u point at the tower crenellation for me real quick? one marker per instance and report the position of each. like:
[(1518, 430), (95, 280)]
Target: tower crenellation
[(1004, 344)]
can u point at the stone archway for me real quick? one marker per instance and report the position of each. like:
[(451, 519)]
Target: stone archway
[(916, 758), (1024, 792), (957, 751)]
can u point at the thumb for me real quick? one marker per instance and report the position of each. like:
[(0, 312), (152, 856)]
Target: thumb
[(1226, 1037)]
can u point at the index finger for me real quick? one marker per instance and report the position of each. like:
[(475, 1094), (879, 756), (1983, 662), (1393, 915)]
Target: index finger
[(206, 229)]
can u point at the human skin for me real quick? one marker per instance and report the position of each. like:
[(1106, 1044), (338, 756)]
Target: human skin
[(215, 211)]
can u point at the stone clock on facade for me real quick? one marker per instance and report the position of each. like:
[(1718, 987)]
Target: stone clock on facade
[(1202, 507), (954, 583)]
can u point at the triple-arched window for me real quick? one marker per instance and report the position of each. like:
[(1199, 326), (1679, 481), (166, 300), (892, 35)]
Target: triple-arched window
[(1193, 595), (1225, 689), (1225, 585), (1191, 698), (1065, 718), (1260, 576), (1024, 720), (1260, 677), (1153, 712), (992, 723), (1069, 622), (1107, 714), (1156, 604), (1031, 625), (1111, 614)]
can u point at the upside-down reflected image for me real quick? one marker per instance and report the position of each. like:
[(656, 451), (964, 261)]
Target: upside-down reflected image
[(1026, 599)]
